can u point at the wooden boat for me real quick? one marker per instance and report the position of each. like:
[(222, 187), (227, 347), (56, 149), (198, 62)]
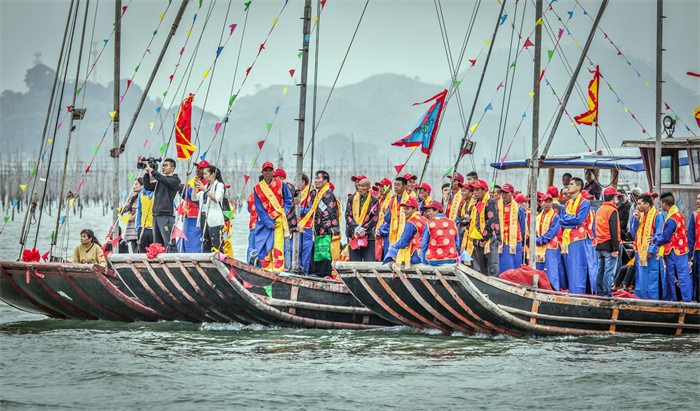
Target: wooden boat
[(76, 291), (504, 307), (210, 288)]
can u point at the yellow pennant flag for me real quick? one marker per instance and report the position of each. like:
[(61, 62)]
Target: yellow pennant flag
[(539, 22), (205, 74), (23, 186), (284, 91), (474, 127), (576, 43), (648, 85), (50, 141), (162, 15), (274, 23), (126, 218), (71, 202), (487, 41), (315, 19), (112, 113), (532, 95), (188, 33), (414, 148), (152, 126), (626, 109)]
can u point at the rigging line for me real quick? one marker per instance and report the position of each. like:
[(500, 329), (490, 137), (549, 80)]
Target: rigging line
[(330, 93), (58, 111), (213, 69), (314, 102), (233, 84), (481, 81), (448, 55)]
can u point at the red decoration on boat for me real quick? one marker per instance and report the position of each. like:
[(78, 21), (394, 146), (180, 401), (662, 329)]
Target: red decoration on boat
[(153, 250), (30, 256)]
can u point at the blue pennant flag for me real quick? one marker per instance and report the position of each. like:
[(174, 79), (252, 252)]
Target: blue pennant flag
[(14, 202), (425, 129), (154, 33), (503, 19), (489, 107), (277, 109), (218, 51), (203, 156), (570, 13), (158, 110)]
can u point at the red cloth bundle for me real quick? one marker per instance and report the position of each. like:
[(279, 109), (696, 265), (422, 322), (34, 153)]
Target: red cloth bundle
[(30, 256), (624, 294), (525, 274), (153, 250)]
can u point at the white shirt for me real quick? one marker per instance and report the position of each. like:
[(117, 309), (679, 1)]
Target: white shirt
[(211, 209)]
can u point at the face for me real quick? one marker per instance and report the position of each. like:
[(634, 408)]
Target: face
[(411, 185), (408, 211), (200, 172), (466, 193), (422, 193), (137, 187), (496, 195), (565, 180), (304, 184), (573, 189), (381, 190), (479, 194), (445, 191), (208, 177), (564, 194), (507, 197), (363, 187), (431, 213), (471, 179), (546, 205), (167, 167), (525, 205), (357, 185), (84, 239), (623, 198), (267, 173), (399, 187), (697, 201), (644, 207), (455, 185), (590, 176), (319, 182)]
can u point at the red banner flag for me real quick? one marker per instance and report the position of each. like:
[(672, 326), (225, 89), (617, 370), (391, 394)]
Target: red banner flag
[(183, 130), (591, 116)]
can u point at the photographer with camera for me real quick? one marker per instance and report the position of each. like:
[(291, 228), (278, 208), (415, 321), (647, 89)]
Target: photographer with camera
[(164, 187)]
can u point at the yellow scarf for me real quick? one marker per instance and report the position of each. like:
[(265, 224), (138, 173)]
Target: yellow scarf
[(314, 206), (544, 221), (356, 214), (571, 208), (404, 255), (475, 234), (512, 226), (383, 202), (398, 218), (276, 205), (642, 242), (454, 205), (673, 210)]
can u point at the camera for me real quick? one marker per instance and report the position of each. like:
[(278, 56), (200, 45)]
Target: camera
[(152, 161)]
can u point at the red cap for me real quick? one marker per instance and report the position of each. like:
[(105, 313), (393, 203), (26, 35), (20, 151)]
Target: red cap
[(384, 182), (267, 164), (507, 188), (470, 186), (426, 187), (585, 194), (520, 198), (539, 195), (611, 191), (546, 197), (203, 163), (411, 202), (358, 177), (553, 191), (482, 184), (653, 195), (280, 173), (332, 187), (410, 176), (457, 177), (433, 204)]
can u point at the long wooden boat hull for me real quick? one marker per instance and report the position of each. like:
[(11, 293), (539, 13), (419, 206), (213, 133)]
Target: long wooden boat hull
[(425, 296), (212, 288), (75, 291)]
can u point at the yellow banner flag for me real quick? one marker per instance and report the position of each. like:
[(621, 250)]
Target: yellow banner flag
[(539, 22), (23, 186), (70, 204), (152, 126), (162, 15), (112, 113), (126, 218), (205, 74), (474, 127)]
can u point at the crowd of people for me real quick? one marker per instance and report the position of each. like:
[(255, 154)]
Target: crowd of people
[(581, 248)]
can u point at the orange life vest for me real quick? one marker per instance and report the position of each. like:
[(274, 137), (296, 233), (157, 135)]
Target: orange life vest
[(602, 228), (442, 245)]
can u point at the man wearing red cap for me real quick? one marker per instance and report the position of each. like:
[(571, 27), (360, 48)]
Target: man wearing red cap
[(575, 222), (252, 253), (411, 184), (451, 203), (646, 223), (291, 219), (548, 254), (190, 211), (440, 240), (382, 239), (356, 179), (554, 193), (323, 213), (694, 246), (361, 222), (512, 218), (406, 250), (272, 203), (394, 218), (424, 194), (673, 244), (465, 209), (484, 234), (607, 230)]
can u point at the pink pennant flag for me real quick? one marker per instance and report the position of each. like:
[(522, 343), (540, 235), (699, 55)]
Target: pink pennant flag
[(399, 168), (79, 185), (222, 257), (217, 127), (499, 86), (291, 72), (182, 51), (246, 284), (177, 233), (561, 31), (121, 99), (144, 144), (260, 144), (59, 126), (231, 273), (28, 275), (473, 62), (503, 159), (233, 27)]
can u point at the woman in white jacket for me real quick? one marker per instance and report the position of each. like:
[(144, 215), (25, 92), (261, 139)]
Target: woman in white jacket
[(210, 197)]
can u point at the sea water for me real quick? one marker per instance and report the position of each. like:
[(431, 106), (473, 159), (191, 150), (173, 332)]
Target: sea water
[(171, 365)]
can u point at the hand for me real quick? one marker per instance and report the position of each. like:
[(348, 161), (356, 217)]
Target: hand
[(385, 210), (300, 229), (614, 254), (377, 236), (650, 256), (181, 187), (636, 214), (297, 200), (361, 232), (148, 167), (274, 227)]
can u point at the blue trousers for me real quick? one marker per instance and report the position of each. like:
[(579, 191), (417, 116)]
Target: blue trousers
[(251, 245), (193, 244), (695, 278), (508, 261), (606, 273), (677, 267), (551, 266), (646, 279), (306, 247), (579, 267)]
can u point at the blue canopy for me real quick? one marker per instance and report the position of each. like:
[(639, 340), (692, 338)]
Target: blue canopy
[(624, 161)]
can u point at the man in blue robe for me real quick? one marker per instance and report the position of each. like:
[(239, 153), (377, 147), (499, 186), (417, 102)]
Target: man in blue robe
[(575, 217), (648, 267)]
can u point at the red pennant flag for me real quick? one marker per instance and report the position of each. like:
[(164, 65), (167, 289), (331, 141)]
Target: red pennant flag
[(690, 73), (70, 107), (45, 256), (246, 284), (232, 273), (262, 46), (323, 4), (248, 71), (399, 168), (260, 144), (123, 9), (128, 83), (246, 178), (177, 233), (183, 130), (291, 72), (473, 62), (463, 152), (87, 170), (667, 107), (528, 43), (171, 78)]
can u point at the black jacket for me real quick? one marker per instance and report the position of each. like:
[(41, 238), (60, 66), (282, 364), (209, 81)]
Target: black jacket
[(165, 189)]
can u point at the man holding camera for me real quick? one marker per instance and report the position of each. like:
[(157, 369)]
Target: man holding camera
[(164, 187)]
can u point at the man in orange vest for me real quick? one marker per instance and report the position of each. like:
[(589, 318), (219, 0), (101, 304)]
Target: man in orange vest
[(440, 240), (607, 230), (646, 222), (673, 242), (406, 250), (575, 218), (694, 244), (272, 202), (512, 231)]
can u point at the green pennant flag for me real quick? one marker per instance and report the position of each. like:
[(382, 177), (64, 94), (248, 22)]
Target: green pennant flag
[(448, 170), (247, 4), (239, 195), (457, 83), (95, 149), (230, 102), (677, 118), (628, 63), (53, 237), (512, 64), (163, 148), (269, 126), (130, 176), (137, 68), (32, 170), (554, 92), (254, 160), (200, 3), (164, 94), (228, 214), (550, 53), (268, 290), (300, 53), (7, 218), (78, 90)]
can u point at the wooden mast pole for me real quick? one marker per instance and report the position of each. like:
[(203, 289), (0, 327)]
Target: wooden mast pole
[(302, 115), (116, 95), (534, 162), (659, 85)]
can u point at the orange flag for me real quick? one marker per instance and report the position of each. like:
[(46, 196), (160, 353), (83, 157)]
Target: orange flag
[(591, 116), (183, 130)]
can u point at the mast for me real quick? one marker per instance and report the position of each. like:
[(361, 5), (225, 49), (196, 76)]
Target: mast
[(301, 119), (659, 84), (534, 162), (115, 123)]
